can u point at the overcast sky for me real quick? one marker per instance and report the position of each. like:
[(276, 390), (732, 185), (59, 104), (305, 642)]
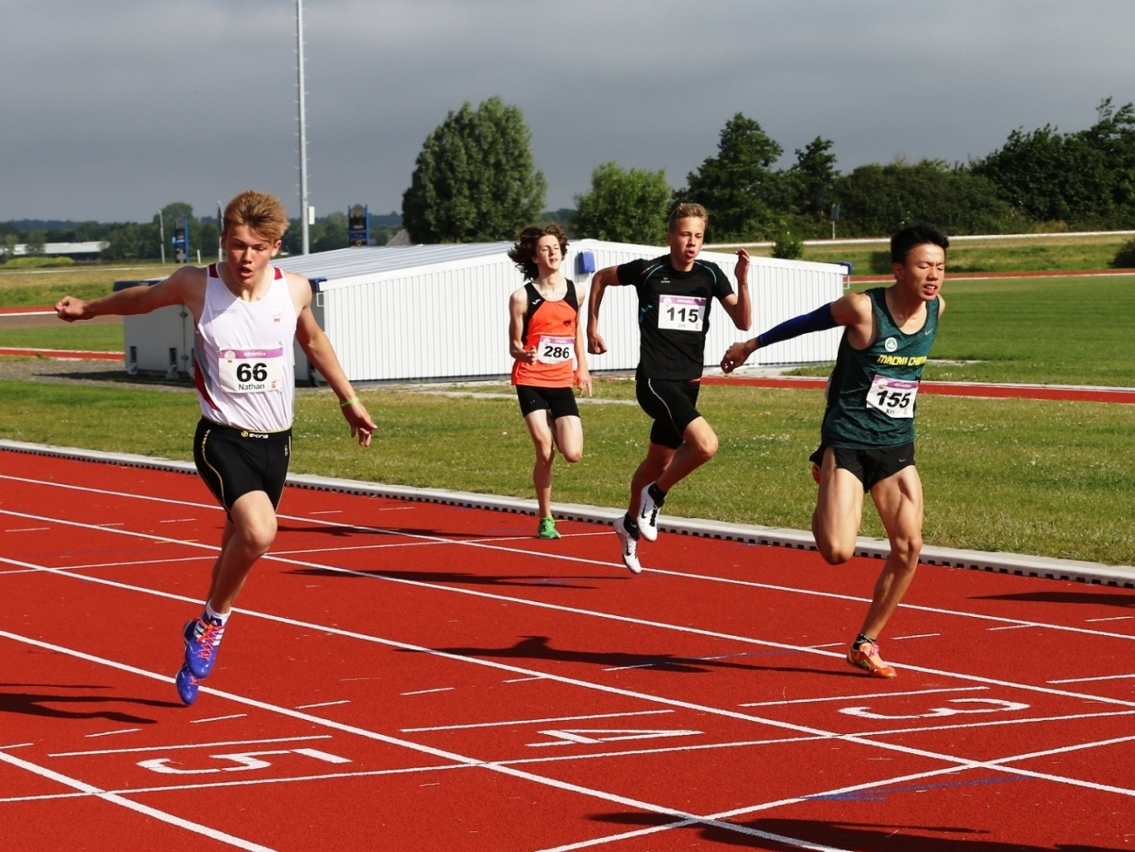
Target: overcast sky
[(109, 111)]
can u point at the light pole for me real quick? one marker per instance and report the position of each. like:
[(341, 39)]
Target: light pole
[(303, 127)]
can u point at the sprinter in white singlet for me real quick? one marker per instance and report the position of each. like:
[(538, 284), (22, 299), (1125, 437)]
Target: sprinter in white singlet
[(246, 314)]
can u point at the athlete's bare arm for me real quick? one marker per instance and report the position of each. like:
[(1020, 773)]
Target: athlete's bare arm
[(601, 280), (582, 374), (317, 347), (185, 287), (517, 305), (738, 305)]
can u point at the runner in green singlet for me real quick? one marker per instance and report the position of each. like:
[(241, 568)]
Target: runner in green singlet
[(867, 437)]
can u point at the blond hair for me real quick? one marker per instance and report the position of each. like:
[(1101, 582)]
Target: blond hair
[(686, 210), (264, 214)]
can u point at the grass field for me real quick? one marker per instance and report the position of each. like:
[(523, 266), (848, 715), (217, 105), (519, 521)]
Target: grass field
[(1045, 478)]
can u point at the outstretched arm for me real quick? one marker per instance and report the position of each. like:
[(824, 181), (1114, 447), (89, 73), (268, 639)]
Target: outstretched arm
[(184, 287), (582, 374)]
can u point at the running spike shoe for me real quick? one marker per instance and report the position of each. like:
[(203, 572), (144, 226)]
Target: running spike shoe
[(865, 656), (547, 528), (648, 515), (202, 641), (629, 545), (186, 685)]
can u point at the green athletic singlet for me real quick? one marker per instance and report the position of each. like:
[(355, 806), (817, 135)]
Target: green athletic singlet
[(872, 392)]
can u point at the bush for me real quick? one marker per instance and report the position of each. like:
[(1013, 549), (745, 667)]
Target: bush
[(788, 247), (1125, 257)]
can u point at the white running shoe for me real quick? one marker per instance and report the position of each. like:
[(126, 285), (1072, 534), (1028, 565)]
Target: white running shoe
[(648, 516), (630, 547)]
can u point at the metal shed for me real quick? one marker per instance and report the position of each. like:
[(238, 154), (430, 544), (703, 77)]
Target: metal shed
[(441, 311)]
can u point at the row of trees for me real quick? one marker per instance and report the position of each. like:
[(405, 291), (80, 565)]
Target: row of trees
[(476, 179)]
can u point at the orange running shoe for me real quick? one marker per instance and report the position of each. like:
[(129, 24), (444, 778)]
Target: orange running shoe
[(865, 656)]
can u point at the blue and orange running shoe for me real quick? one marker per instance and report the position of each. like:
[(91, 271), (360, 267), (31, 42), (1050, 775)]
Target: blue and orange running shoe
[(865, 656), (202, 641), (186, 685)]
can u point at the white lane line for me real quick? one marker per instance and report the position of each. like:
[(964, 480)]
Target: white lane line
[(322, 704), (113, 733), (536, 721), (29, 529), (1090, 679), (428, 691), (861, 696), (121, 801), (915, 636), (16, 745), (1112, 618), (186, 746), (1011, 627), (218, 718)]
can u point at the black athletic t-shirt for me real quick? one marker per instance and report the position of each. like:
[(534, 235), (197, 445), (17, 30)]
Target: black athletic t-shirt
[(673, 314)]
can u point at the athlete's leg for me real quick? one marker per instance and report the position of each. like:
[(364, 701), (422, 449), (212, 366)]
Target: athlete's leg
[(540, 428), (569, 437), (699, 445), (247, 536), (838, 512), (899, 501)]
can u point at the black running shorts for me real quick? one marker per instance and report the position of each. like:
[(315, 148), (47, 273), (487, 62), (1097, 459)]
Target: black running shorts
[(560, 401), (234, 462), (672, 405), (869, 466)]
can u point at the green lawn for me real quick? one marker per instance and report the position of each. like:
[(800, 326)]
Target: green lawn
[(100, 337)]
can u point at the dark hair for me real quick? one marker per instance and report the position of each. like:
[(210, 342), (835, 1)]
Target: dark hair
[(523, 253), (916, 235)]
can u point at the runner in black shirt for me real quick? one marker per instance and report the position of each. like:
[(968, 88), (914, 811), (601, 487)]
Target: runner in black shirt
[(675, 293)]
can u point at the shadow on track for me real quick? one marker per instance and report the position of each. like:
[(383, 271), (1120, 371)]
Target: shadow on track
[(863, 837), (539, 648), (39, 704)]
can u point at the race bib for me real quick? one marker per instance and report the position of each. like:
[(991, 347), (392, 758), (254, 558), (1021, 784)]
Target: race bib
[(893, 397), (554, 350), (680, 313), (251, 370)]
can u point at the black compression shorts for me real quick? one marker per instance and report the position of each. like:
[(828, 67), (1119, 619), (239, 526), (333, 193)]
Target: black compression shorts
[(234, 462)]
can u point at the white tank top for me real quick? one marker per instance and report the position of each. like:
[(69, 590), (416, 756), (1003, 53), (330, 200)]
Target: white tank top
[(244, 365)]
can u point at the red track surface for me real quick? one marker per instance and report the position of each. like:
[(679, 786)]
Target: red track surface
[(413, 676)]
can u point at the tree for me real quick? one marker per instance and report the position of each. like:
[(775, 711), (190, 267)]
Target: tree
[(811, 179), (878, 200), (475, 178), (628, 206), (1084, 179), (738, 186)]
